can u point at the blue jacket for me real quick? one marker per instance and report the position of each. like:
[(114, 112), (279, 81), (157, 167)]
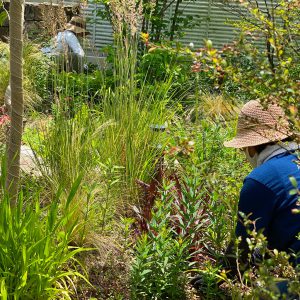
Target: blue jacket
[(266, 196)]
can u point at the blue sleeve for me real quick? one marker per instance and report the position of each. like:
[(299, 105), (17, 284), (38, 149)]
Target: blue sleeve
[(259, 201)]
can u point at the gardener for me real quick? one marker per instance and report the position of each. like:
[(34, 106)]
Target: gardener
[(67, 48), (266, 199), (264, 136)]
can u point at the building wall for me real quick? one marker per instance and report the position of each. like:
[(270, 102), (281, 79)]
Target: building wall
[(215, 23), (33, 17)]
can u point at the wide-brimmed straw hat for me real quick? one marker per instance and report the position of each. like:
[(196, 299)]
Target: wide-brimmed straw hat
[(77, 25), (259, 125)]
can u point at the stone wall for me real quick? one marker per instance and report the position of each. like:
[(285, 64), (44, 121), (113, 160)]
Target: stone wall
[(36, 23)]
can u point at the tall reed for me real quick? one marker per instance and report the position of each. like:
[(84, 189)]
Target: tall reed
[(85, 138), (133, 105), (66, 151)]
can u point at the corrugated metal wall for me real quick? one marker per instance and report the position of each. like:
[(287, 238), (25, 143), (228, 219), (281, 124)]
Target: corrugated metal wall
[(101, 30), (213, 24), (216, 19)]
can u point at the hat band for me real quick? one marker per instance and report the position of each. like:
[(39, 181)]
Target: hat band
[(77, 24)]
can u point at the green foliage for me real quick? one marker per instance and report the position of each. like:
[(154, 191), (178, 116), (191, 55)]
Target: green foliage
[(111, 176), (4, 74), (65, 145), (274, 75), (79, 88), (36, 260), (210, 277), (162, 257), (163, 62), (194, 75), (3, 16), (66, 148), (36, 71)]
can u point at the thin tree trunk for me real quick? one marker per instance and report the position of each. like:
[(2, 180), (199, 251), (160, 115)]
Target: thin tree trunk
[(174, 21), (16, 81)]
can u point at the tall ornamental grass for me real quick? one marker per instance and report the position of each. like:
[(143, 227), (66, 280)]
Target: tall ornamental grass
[(66, 150), (84, 136), (110, 143), (131, 141), (132, 104), (66, 146)]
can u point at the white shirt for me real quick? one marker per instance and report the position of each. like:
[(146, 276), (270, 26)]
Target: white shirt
[(67, 40)]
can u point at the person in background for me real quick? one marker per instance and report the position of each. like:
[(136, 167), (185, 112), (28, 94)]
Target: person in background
[(67, 48)]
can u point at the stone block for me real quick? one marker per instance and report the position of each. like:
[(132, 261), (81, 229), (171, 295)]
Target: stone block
[(29, 12), (38, 16)]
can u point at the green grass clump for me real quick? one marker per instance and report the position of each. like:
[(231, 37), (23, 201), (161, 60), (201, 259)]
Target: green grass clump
[(36, 70), (36, 259)]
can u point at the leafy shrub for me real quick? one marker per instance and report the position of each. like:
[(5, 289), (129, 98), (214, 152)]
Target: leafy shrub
[(269, 41), (79, 88), (164, 61)]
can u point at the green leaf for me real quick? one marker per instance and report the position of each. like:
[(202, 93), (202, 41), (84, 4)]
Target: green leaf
[(3, 290), (3, 17), (293, 192), (145, 272), (74, 190), (294, 182), (24, 279)]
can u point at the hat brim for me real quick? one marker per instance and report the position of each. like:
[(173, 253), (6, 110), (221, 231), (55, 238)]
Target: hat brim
[(76, 29), (251, 138)]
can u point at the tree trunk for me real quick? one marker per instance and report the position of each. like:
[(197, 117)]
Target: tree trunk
[(174, 21), (16, 12)]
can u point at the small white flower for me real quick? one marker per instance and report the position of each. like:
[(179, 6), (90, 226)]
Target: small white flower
[(191, 45)]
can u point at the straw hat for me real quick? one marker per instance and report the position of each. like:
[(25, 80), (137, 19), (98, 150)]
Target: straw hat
[(77, 25), (258, 125)]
